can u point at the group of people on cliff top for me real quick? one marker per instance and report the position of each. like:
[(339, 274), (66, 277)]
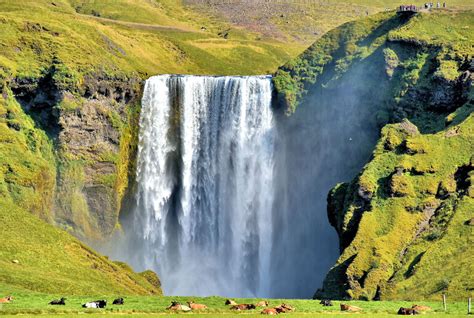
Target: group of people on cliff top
[(430, 5), (407, 8), (414, 8)]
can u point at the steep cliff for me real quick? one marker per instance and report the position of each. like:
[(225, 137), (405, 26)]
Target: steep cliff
[(89, 130), (403, 222)]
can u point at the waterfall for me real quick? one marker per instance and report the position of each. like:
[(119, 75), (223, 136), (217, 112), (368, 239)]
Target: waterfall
[(205, 188)]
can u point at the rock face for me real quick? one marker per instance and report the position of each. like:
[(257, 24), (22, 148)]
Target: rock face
[(90, 125), (96, 138), (92, 138)]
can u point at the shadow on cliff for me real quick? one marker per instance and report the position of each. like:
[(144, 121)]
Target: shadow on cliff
[(39, 98)]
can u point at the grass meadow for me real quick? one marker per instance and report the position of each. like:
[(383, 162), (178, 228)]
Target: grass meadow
[(28, 304)]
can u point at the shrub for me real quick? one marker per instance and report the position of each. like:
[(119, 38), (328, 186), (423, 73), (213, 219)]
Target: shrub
[(400, 186)]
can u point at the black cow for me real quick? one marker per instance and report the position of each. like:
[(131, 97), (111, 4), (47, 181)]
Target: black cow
[(118, 301), (326, 302), (407, 311), (61, 301), (101, 303)]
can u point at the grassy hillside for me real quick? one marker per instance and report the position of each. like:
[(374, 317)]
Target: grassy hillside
[(412, 239), (403, 221), (128, 37), (298, 21), (36, 256)]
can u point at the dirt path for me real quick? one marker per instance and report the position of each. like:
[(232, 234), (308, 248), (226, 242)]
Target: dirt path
[(143, 26)]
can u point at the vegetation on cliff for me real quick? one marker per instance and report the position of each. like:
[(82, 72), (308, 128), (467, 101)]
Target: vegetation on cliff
[(27, 162), (404, 221), (439, 39)]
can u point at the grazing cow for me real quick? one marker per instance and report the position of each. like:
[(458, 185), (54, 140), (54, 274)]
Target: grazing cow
[(421, 308), (195, 306), (407, 311), (61, 301), (269, 311), (326, 302), (118, 301), (230, 302), (284, 308), (6, 300), (262, 303), (91, 304), (345, 307), (243, 307)]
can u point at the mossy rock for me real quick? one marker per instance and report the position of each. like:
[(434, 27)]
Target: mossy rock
[(152, 278), (401, 186), (447, 187)]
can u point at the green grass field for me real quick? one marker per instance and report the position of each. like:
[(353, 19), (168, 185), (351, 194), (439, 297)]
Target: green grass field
[(28, 304)]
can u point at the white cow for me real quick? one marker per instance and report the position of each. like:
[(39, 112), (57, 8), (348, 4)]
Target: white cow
[(92, 304)]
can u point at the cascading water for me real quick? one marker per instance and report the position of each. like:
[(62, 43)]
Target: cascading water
[(205, 192)]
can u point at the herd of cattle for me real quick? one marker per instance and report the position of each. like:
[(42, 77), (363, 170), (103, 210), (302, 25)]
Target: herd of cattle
[(283, 308), (414, 310)]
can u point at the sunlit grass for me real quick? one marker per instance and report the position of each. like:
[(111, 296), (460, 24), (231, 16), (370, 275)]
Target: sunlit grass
[(145, 306)]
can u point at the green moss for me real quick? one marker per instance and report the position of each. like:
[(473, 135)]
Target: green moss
[(71, 202), (448, 70), (336, 52), (114, 119), (27, 176), (391, 60), (152, 278), (422, 216), (401, 186), (392, 138), (108, 180), (70, 104)]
